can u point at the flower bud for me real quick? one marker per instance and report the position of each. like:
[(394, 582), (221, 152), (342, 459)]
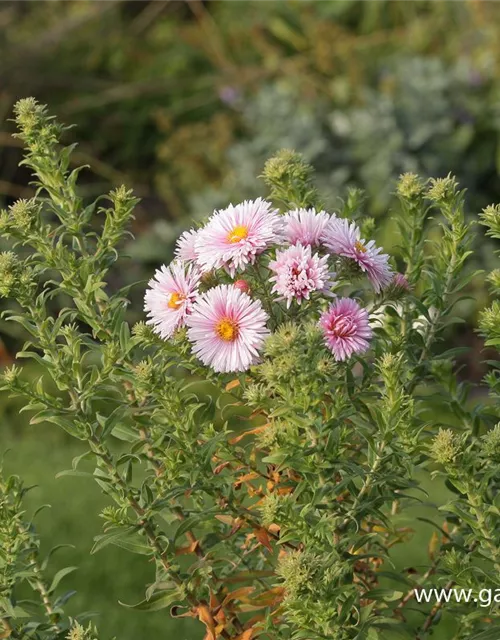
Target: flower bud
[(454, 561), (442, 190), (256, 394), (143, 332), (490, 217), (285, 165), (29, 113), (494, 279), (36, 127), (445, 447), (398, 287), (242, 285), (144, 372), (10, 375), (491, 443), (10, 270), (489, 321), (401, 282), (410, 186), (24, 213)]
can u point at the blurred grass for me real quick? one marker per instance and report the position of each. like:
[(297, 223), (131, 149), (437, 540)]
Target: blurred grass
[(103, 579)]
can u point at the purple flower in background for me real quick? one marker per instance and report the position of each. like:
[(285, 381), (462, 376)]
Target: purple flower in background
[(229, 95)]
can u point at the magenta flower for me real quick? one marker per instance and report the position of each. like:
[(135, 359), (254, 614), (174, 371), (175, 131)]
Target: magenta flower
[(305, 226), (299, 273), (170, 297), (343, 238), (346, 328), (227, 329), (185, 246), (234, 236)]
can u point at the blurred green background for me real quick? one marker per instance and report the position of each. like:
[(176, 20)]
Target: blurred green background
[(184, 101)]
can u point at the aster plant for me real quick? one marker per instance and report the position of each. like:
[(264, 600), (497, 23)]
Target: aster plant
[(273, 406)]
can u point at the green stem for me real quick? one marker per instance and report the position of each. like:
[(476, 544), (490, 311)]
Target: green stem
[(265, 294), (366, 486), (433, 325)]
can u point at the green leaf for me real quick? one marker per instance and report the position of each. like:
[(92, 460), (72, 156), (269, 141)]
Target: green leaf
[(133, 546), (157, 601), (59, 576), (489, 634), (52, 551), (127, 434), (125, 338), (387, 595), (75, 473), (111, 537)]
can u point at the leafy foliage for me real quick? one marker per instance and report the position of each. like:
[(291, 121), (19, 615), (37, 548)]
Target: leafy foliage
[(269, 503), (21, 563)]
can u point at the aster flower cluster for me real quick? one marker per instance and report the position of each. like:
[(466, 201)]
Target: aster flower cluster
[(250, 267)]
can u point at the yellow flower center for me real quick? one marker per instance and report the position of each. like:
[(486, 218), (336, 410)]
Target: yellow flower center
[(360, 247), (238, 233), (175, 300), (227, 329)]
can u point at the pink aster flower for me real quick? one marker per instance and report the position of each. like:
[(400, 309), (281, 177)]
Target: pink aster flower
[(344, 238), (234, 236), (227, 329), (346, 328), (299, 273), (305, 226), (170, 297), (185, 246)]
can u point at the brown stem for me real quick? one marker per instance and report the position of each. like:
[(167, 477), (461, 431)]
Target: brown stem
[(438, 606), (8, 628), (42, 590), (433, 613), (412, 591)]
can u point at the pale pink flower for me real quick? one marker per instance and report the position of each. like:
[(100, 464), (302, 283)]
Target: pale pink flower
[(185, 246), (344, 239), (305, 226), (170, 297), (234, 236), (227, 329), (346, 328), (299, 273)]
